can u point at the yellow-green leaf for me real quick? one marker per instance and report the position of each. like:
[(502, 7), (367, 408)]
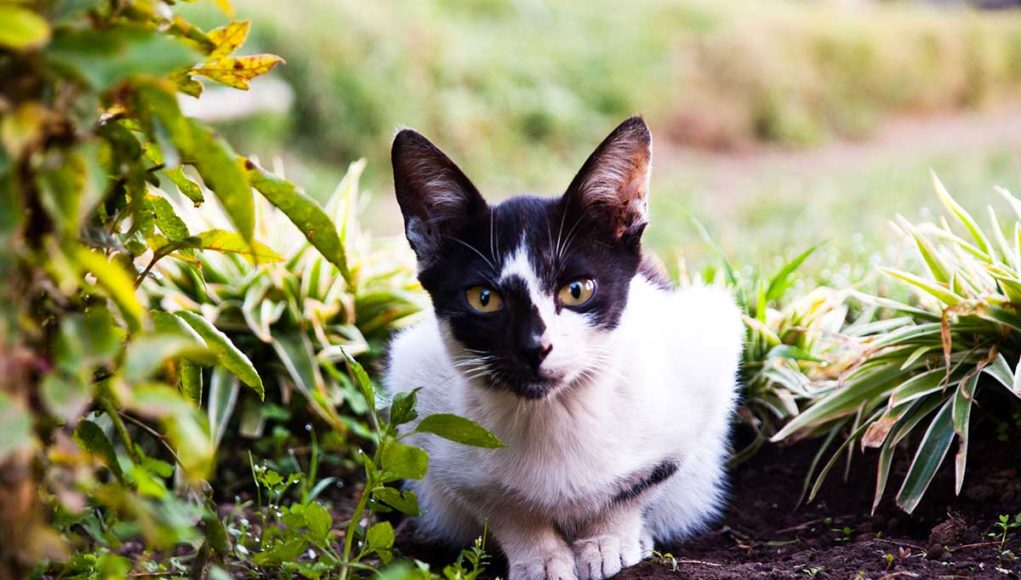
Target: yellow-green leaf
[(304, 211), (185, 185), (217, 163), (232, 243), (228, 38), (115, 282), (236, 71), (188, 85), (931, 288), (229, 356), (22, 128), (22, 28), (962, 216), (167, 219)]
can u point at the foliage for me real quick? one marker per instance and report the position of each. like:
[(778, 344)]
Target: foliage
[(112, 410), (788, 337), (297, 316), (298, 537), (921, 369)]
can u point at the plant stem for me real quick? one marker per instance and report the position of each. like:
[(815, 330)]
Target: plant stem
[(106, 402)]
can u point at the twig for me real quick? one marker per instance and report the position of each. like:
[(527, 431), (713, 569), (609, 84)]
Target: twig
[(975, 545), (154, 433), (703, 562)]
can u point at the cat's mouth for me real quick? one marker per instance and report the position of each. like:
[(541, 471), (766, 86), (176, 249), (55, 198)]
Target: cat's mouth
[(533, 386)]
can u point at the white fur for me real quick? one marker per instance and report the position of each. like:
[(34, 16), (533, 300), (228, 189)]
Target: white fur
[(659, 386)]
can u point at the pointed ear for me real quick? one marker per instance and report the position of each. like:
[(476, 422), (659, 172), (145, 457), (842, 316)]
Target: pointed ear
[(435, 196), (612, 187)]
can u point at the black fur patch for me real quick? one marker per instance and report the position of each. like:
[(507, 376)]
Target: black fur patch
[(658, 475)]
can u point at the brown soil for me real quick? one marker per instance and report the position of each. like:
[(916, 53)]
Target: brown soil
[(767, 535)]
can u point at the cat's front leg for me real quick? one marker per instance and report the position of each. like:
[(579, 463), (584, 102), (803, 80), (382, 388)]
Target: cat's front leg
[(535, 550), (614, 541)]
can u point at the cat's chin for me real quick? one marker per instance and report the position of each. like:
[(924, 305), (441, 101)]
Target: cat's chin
[(536, 390), (533, 388)]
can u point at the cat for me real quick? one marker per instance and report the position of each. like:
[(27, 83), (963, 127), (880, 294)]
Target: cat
[(611, 390)]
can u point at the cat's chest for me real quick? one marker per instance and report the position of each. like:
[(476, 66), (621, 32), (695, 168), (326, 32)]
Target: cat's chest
[(566, 455)]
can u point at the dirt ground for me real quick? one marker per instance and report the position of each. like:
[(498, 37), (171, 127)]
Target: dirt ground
[(765, 534)]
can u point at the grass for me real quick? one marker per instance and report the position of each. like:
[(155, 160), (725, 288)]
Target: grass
[(522, 89), (778, 211)]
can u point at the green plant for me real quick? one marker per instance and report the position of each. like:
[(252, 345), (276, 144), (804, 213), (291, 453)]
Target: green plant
[(103, 437), (475, 556), (1001, 531), (786, 342), (920, 368), (394, 461), (297, 316)]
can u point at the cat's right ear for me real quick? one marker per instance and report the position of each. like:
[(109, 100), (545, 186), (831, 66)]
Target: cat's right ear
[(435, 196)]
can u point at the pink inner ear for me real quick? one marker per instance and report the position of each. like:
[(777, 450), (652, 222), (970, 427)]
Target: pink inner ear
[(615, 179)]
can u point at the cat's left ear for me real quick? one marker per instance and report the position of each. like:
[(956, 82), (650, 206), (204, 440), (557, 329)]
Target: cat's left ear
[(612, 187)]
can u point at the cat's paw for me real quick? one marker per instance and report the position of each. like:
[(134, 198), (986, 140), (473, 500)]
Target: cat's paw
[(558, 565), (601, 557), (646, 543)]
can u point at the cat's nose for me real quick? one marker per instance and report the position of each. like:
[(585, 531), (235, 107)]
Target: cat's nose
[(535, 348)]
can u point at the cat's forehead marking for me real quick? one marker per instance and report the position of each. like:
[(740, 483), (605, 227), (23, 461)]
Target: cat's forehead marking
[(520, 266)]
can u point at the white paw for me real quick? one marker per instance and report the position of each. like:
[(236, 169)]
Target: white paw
[(556, 566), (601, 557)]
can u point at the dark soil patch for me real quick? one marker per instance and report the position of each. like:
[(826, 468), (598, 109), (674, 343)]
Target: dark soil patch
[(766, 534)]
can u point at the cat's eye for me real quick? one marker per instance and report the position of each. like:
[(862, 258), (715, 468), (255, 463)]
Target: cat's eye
[(577, 292), (483, 299)]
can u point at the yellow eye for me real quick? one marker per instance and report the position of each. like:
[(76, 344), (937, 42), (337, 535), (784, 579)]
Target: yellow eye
[(483, 299), (577, 292)]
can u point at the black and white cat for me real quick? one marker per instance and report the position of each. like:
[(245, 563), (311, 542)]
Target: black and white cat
[(611, 390)]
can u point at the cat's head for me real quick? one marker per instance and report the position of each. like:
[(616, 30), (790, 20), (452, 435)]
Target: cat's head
[(527, 291)]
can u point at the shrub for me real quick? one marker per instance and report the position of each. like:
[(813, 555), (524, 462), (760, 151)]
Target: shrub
[(914, 375), (299, 316), (103, 437)]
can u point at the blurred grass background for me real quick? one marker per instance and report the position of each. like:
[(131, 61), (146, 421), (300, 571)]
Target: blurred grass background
[(778, 124)]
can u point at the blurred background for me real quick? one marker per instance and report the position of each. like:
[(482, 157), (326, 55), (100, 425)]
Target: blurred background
[(777, 124)]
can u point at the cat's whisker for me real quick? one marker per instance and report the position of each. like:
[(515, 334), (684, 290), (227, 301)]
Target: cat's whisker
[(474, 249)]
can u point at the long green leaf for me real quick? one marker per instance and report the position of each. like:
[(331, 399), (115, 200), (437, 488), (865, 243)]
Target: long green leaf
[(930, 454), (962, 216), (780, 283), (228, 355), (304, 212), (222, 171), (935, 290), (865, 385), (963, 400), (459, 430)]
